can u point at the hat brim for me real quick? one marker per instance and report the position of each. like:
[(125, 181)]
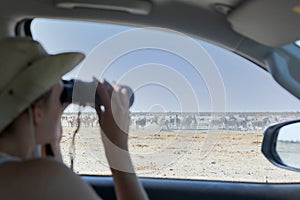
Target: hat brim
[(34, 81)]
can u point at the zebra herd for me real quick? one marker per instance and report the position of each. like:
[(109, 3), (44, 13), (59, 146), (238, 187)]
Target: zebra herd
[(87, 120), (184, 121)]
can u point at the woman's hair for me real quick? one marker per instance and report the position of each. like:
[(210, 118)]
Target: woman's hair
[(44, 98)]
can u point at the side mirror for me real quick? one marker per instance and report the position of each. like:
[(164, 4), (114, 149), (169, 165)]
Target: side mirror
[(281, 145)]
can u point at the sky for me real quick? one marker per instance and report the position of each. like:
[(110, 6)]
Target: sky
[(168, 71), (290, 132)]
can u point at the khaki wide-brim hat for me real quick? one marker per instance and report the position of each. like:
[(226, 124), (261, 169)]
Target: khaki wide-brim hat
[(27, 71)]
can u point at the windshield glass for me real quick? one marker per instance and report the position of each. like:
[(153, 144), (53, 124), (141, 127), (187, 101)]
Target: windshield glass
[(199, 110)]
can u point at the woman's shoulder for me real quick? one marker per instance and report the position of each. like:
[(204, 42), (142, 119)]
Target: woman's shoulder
[(47, 177), (34, 168)]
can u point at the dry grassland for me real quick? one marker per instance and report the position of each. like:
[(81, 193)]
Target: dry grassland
[(211, 155)]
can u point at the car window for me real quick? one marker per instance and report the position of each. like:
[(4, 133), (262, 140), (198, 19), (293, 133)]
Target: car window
[(199, 110)]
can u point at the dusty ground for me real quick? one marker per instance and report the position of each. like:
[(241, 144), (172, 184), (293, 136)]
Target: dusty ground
[(212, 155)]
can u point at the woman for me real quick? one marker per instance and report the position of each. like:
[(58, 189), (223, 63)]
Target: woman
[(30, 115)]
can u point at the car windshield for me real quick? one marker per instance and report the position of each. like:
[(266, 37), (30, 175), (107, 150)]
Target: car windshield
[(199, 110)]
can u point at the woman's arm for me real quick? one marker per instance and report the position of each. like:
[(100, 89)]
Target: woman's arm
[(114, 122)]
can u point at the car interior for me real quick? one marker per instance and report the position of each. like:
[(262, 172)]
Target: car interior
[(261, 31)]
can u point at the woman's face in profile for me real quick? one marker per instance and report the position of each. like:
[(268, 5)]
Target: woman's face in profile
[(48, 129)]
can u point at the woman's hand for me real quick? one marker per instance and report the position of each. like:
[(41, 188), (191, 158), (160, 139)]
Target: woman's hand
[(113, 115), (114, 122)]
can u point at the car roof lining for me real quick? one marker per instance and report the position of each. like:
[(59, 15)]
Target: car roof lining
[(255, 18), (164, 13)]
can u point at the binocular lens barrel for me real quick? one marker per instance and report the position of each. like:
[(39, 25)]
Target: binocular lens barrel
[(84, 93)]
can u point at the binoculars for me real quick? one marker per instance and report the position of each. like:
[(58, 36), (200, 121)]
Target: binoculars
[(84, 93)]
